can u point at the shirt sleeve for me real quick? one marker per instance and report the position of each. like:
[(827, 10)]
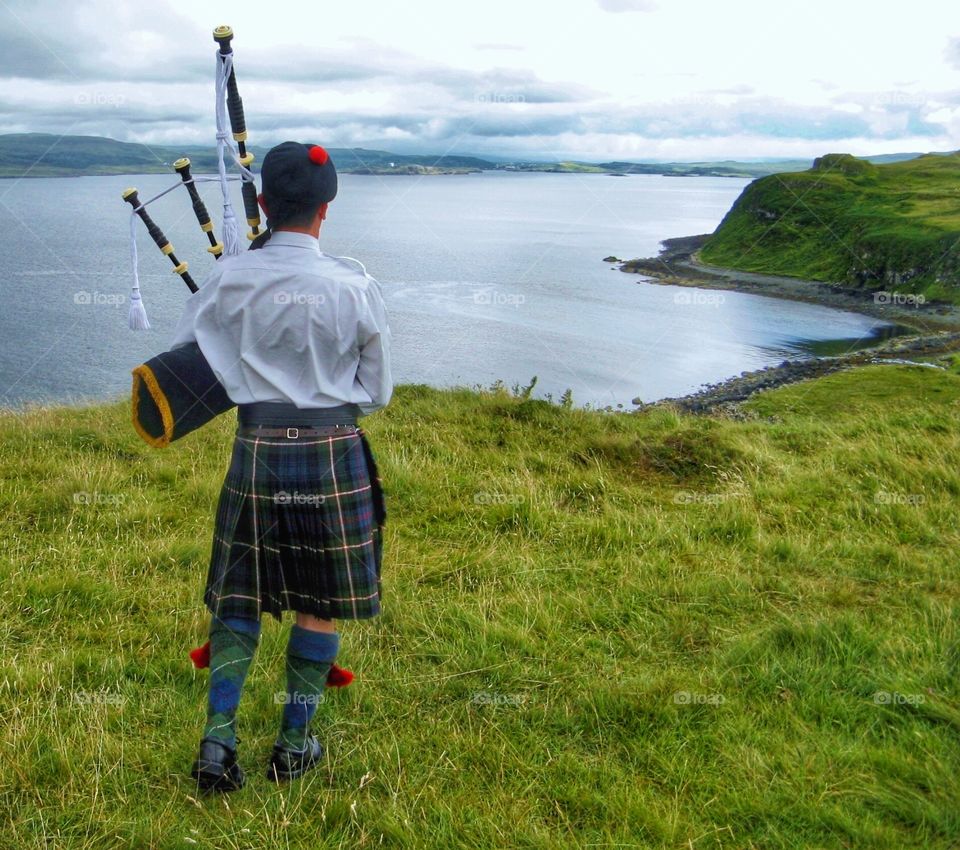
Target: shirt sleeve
[(186, 330), (373, 337)]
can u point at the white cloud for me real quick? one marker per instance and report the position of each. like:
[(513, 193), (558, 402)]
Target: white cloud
[(694, 77)]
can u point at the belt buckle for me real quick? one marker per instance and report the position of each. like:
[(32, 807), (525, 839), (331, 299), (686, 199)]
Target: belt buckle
[(293, 433)]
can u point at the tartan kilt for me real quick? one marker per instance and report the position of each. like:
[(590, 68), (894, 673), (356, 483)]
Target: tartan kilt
[(299, 526)]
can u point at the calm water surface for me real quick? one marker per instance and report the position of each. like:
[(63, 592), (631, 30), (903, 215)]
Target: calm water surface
[(486, 276)]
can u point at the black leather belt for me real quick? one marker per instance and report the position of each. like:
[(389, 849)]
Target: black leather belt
[(296, 433), (275, 414)]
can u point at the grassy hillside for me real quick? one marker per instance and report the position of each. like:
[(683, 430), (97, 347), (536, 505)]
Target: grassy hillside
[(600, 630), (891, 227)]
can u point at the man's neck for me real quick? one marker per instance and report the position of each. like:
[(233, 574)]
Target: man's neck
[(311, 231)]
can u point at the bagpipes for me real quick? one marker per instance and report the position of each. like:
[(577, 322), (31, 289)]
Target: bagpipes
[(176, 392)]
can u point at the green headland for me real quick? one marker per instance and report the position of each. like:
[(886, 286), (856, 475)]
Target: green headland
[(892, 226)]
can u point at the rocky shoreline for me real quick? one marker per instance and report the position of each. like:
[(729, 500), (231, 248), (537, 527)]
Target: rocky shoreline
[(937, 326), (727, 395), (678, 265)]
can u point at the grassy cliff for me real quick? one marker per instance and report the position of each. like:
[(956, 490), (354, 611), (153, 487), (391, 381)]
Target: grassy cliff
[(641, 630), (889, 227)]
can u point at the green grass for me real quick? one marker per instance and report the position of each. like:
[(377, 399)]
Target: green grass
[(892, 227), (677, 629)]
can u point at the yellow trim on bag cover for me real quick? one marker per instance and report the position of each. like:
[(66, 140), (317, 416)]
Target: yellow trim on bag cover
[(143, 374)]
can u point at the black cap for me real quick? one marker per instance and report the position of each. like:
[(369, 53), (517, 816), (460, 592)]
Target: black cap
[(299, 173)]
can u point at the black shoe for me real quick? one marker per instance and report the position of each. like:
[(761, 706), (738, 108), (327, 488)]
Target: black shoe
[(292, 764), (216, 768)]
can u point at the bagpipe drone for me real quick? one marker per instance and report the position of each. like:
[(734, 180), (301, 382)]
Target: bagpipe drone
[(176, 392)]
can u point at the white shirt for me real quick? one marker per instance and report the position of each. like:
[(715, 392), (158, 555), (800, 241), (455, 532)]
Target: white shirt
[(290, 323)]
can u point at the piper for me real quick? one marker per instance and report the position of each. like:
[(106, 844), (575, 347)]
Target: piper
[(299, 340)]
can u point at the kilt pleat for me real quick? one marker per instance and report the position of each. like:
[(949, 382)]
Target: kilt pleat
[(298, 527)]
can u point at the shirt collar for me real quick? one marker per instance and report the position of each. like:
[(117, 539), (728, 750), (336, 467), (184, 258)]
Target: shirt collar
[(294, 240)]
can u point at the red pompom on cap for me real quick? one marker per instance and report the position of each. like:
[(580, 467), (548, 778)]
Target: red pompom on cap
[(318, 155)]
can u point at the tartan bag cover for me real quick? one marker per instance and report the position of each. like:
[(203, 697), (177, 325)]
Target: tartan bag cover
[(298, 527)]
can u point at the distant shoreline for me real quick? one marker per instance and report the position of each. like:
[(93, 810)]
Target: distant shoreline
[(400, 171), (678, 264), (49, 155)]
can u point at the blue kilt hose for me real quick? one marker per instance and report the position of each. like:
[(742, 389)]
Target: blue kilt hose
[(298, 527)]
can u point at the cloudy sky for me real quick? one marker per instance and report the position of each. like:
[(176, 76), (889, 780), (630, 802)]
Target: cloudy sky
[(590, 79)]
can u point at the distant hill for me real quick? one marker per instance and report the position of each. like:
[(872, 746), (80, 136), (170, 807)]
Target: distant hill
[(893, 226), (726, 168), (747, 170), (47, 155)]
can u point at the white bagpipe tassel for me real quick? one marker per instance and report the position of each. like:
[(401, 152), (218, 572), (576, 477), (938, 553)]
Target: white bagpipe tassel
[(137, 316), (231, 231)]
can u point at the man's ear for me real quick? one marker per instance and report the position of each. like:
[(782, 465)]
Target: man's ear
[(263, 204), (323, 211)]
